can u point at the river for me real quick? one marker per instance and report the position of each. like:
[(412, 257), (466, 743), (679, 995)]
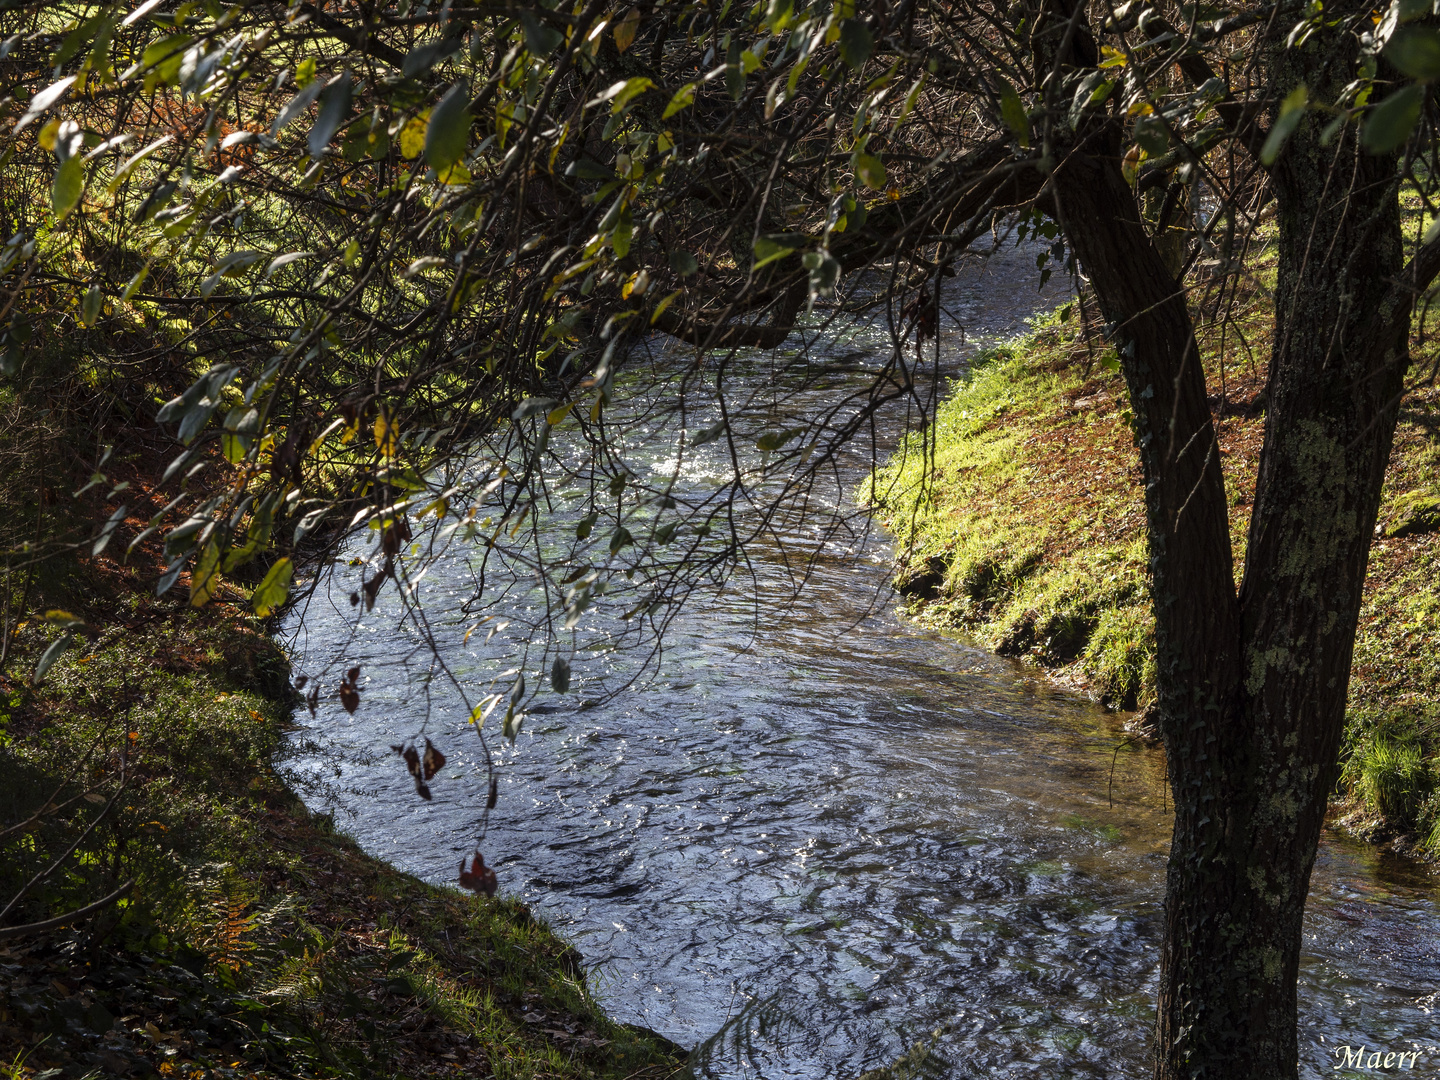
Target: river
[(893, 835)]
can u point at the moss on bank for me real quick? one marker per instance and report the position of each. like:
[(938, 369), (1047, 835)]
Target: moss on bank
[(256, 941), (1025, 527)]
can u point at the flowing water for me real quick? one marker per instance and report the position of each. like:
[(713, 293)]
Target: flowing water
[(899, 837)]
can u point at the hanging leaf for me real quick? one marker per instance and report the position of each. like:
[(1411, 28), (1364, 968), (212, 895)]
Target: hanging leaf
[(683, 99), (47, 659), (448, 131), (282, 261), (479, 878), (107, 531), (870, 170), (386, 437), (423, 57), (433, 761), (560, 675), (206, 577), (334, 105), (42, 101), (412, 135), (90, 306), (1012, 110), (540, 39), (856, 43), (273, 590), (1415, 51), (734, 71), (295, 106), (626, 28), (773, 440), (69, 183), (1292, 111), (1391, 122)]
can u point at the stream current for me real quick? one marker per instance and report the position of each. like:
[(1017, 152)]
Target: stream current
[(898, 836)]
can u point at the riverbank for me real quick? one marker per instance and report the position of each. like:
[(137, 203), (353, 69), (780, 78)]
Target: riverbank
[(1029, 535), (256, 939)]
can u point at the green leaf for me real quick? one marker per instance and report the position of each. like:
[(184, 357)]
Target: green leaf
[(205, 579), (734, 72), (1391, 122), (271, 592), (69, 184), (295, 106), (871, 171), (423, 57), (773, 440), (511, 727), (709, 434), (1012, 110), (257, 536), (776, 246), (48, 658), (449, 129), (623, 234), (621, 538), (629, 90), (560, 675), (587, 523), (1292, 111), (334, 104), (1415, 51), (90, 306), (683, 99), (44, 100), (683, 263), (107, 531), (586, 169), (1150, 133), (540, 39), (856, 43)]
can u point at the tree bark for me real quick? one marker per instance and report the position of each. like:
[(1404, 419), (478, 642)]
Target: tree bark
[(1252, 686)]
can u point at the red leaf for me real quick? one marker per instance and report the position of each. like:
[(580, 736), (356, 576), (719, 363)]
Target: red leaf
[(479, 878)]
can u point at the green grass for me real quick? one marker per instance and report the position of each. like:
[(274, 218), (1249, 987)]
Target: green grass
[(1022, 533), (257, 941), (1024, 527)]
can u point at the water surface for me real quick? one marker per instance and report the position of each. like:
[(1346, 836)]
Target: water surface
[(899, 836)]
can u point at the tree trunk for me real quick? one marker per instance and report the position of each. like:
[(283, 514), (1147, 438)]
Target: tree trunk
[(1252, 687)]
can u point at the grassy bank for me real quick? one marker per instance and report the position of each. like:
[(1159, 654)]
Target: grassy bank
[(1029, 535), (255, 941)]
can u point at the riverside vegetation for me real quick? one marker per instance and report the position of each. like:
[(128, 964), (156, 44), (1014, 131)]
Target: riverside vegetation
[(356, 262), (1019, 520), (256, 940)]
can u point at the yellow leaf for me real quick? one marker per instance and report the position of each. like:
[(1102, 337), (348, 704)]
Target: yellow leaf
[(1112, 58), (625, 29), (554, 416), (48, 134), (871, 171), (205, 579), (455, 174), (412, 135), (386, 438), (660, 307)]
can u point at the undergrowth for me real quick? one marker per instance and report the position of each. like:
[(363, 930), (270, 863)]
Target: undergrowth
[(255, 941)]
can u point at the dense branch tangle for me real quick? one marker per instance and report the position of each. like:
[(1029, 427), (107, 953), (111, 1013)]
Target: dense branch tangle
[(375, 256)]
